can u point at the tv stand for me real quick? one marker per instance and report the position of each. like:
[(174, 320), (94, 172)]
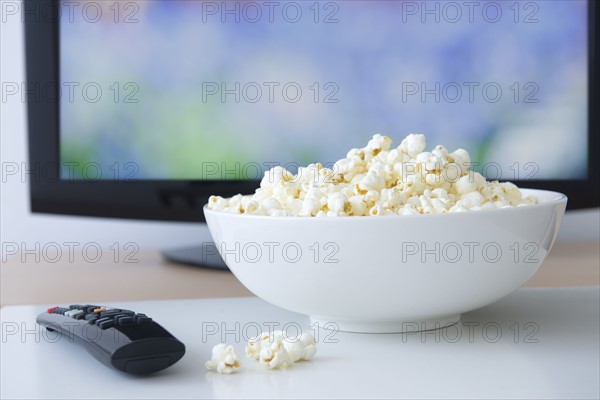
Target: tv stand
[(202, 255)]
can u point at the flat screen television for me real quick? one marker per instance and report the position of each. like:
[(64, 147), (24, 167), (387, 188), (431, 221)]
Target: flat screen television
[(142, 109)]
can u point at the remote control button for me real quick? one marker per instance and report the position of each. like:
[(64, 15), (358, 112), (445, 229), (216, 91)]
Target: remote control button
[(50, 310), (105, 323), (115, 317), (108, 312), (73, 313), (143, 320), (99, 309), (125, 320), (111, 313), (79, 316)]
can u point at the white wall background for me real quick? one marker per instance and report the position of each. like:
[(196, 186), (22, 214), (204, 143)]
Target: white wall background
[(18, 224)]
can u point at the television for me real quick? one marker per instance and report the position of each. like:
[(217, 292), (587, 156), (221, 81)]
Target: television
[(143, 109)]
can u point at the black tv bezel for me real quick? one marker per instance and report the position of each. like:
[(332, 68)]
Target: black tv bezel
[(182, 200)]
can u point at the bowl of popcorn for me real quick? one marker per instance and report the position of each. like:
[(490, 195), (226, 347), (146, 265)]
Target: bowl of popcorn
[(389, 239)]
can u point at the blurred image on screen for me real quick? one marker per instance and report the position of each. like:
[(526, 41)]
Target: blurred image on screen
[(181, 86)]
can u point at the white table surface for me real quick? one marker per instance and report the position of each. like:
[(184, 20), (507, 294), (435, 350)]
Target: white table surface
[(548, 347)]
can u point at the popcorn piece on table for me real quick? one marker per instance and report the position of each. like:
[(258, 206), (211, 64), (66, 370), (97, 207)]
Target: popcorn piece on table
[(302, 348), (254, 345), (278, 351), (273, 353), (224, 359)]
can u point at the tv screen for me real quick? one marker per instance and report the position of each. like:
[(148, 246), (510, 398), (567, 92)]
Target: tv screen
[(202, 90)]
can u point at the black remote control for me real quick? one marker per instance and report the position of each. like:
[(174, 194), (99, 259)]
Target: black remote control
[(122, 339)]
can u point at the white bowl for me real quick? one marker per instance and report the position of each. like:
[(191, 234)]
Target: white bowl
[(391, 273)]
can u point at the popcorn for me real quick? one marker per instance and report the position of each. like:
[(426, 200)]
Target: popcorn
[(270, 203), (254, 346), (372, 181), (273, 353), (413, 144), (377, 180), (268, 349), (379, 143), (277, 351), (357, 206), (337, 202), (461, 158), (224, 359), (310, 346), (272, 350), (470, 200), (376, 210), (217, 202), (466, 184), (302, 348)]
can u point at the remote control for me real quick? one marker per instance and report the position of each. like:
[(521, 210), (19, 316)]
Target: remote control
[(122, 339)]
